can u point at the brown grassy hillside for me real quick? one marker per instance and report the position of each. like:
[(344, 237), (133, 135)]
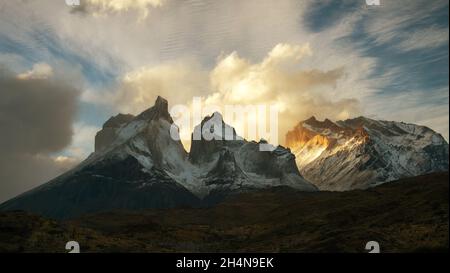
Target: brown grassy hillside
[(410, 215)]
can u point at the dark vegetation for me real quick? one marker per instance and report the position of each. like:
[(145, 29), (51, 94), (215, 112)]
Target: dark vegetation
[(410, 215)]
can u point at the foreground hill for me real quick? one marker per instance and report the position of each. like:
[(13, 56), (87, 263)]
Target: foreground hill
[(410, 215)]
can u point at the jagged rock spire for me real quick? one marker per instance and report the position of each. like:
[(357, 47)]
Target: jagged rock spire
[(159, 110)]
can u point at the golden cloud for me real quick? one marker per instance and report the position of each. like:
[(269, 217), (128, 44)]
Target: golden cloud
[(278, 79), (178, 82)]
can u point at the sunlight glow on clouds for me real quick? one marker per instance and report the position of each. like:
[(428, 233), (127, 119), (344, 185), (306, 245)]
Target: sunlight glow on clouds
[(176, 81), (277, 80)]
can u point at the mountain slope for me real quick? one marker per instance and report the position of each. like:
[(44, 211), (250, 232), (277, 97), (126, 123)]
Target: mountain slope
[(360, 153), (128, 171), (137, 164)]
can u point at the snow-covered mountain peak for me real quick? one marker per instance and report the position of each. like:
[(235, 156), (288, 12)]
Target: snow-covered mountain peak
[(313, 122), (123, 127), (215, 153), (363, 152), (214, 128), (234, 163)]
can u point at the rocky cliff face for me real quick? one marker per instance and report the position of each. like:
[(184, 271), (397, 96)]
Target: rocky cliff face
[(137, 164), (108, 134), (233, 164), (360, 153)]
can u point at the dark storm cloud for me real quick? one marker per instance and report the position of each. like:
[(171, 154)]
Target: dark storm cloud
[(36, 117)]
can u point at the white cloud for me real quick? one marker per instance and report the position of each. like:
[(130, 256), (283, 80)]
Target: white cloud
[(429, 37), (104, 7)]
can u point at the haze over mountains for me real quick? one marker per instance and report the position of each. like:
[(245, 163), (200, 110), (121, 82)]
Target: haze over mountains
[(138, 165)]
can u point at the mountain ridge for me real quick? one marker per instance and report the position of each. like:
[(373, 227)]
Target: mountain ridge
[(359, 153), (137, 164)]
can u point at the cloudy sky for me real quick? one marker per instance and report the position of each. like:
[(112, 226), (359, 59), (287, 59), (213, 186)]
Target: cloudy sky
[(65, 70)]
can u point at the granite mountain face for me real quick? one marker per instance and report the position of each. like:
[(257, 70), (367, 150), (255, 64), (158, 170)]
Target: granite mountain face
[(138, 165)]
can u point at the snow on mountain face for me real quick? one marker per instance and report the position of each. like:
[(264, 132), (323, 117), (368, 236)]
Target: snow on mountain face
[(137, 164), (145, 137), (108, 134), (360, 153), (218, 162), (130, 169), (234, 164)]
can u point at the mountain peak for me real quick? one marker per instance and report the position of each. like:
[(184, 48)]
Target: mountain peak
[(161, 102), (211, 135), (361, 152), (161, 105), (159, 110), (311, 119), (123, 126), (326, 124), (217, 115)]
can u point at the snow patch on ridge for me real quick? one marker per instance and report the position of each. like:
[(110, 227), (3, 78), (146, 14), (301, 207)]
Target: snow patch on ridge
[(366, 152)]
